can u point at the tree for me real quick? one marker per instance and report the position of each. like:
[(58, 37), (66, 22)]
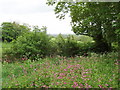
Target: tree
[(99, 20), (11, 30)]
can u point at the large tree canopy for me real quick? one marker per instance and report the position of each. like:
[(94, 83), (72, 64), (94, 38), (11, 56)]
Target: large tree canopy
[(100, 20)]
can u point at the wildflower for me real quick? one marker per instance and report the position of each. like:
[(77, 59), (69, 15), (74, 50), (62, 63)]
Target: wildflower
[(106, 85), (44, 86), (60, 77), (73, 86), (75, 83), (65, 69), (81, 84), (57, 83), (16, 84), (75, 68), (31, 66), (65, 83), (71, 70), (89, 86), (99, 80), (84, 75), (35, 69), (61, 74), (86, 69), (100, 86), (110, 80)]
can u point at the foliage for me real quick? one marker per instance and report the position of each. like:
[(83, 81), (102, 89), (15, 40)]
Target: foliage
[(68, 46), (30, 45), (97, 71), (71, 47), (99, 20), (27, 46), (11, 30)]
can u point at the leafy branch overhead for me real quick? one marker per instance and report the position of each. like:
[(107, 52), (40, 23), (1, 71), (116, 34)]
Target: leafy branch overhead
[(95, 19)]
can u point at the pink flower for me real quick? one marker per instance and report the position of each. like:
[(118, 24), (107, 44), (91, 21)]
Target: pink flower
[(44, 86), (65, 83), (110, 80), (81, 85), (75, 68), (106, 85), (86, 69), (89, 86), (73, 86), (57, 83), (16, 84), (60, 77), (69, 66), (71, 70), (61, 74), (75, 83), (65, 69), (84, 72), (84, 75), (100, 86)]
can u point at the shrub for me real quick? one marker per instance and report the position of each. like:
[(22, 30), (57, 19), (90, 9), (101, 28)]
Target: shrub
[(11, 30), (85, 47), (67, 47), (54, 47), (31, 45)]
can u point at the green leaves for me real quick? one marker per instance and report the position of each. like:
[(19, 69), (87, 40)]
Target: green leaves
[(32, 45), (92, 18), (11, 30)]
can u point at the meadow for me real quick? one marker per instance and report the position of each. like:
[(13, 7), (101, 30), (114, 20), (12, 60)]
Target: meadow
[(94, 71), (89, 58), (60, 70)]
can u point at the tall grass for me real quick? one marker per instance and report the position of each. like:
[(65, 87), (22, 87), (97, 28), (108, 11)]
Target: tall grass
[(96, 71)]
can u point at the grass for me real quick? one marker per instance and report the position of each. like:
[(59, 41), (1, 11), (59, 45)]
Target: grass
[(97, 71)]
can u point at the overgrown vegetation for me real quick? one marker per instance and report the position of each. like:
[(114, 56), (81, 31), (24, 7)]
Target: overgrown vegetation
[(37, 44), (32, 59), (95, 71)]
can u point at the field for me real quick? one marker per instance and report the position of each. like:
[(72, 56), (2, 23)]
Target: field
[(94, 71), (89, 57)]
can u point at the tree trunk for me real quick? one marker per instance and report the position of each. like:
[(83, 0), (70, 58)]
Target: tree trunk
[(101, 45)]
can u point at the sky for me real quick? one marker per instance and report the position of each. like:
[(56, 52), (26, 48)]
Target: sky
[(34, 12)]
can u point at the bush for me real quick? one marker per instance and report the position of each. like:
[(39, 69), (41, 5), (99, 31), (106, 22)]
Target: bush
[(67, 47), (85, 47), (31, 45), (54, 47), (11, 30), (70, 46)]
